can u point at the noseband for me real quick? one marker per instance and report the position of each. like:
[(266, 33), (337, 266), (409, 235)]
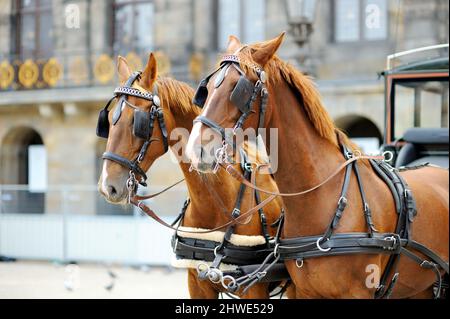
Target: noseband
[(143, 123), (243, 97)]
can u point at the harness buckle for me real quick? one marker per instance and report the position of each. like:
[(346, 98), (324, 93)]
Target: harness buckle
[(261, 274), (342, 203), (349, 155), (235, 213), (395, 241), (248, 166)]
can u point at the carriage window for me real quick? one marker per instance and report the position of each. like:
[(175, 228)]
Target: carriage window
[(130, 18), (356, 20), (420, 104), (242, 18), (34, 35)]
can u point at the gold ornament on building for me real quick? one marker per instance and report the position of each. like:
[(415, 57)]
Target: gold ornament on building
[(6, 74), (28, 73), (134, 61), (104, 69), (78, 71), (196, 66), (163, 63), (52, 72)]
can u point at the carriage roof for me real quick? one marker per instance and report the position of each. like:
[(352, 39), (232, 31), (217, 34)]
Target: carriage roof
[(430, 65)]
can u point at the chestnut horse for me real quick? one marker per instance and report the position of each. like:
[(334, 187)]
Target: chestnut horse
[(308, 153), (211, 198)]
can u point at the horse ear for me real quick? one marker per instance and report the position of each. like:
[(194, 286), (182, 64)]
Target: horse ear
[(263, 52), (233, 44), (123, 69), (150, 73)]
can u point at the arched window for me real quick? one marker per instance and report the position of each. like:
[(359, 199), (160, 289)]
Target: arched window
[(23, 161), (33, 36)]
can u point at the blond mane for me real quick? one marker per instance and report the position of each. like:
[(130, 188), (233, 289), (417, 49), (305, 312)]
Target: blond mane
[(178, 94)]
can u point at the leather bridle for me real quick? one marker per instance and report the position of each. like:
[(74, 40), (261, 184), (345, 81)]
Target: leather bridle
[(155, 114), (259, 89)]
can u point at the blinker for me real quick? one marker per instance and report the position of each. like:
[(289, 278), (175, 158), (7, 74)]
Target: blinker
[(201, 94), (241, 94), (141, 124), (103, 124)]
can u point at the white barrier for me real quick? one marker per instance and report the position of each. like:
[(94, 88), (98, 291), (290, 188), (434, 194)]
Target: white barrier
[(116, 239), (66, 236)]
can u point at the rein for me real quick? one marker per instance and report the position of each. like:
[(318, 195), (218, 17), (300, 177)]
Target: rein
[(137, 201), (238, 176), (143, 197)]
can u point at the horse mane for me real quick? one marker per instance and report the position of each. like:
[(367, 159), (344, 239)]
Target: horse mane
[(303, 85), (176, 95)]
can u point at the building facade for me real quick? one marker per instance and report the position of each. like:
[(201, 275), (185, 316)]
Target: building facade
[(57, 68)]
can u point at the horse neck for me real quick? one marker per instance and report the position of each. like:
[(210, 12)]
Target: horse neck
[(205, 210), (304, 160), (301, 149)]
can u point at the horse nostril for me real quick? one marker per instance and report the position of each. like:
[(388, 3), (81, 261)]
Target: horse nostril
[(112, 190)]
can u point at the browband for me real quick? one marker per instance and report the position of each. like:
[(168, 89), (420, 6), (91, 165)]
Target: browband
[(127, 90)]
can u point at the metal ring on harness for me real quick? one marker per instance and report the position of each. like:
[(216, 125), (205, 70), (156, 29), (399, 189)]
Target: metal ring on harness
[(357, 153), (301, 264), (232, 285), (200, 265), (386, 158), (320, 248), (275, 250), (215, 250)]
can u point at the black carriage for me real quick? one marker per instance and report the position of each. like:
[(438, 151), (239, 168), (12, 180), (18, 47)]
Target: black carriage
[(416, 118)]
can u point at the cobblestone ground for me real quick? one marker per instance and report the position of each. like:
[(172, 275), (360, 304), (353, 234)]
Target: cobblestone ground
[(50, 280)]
